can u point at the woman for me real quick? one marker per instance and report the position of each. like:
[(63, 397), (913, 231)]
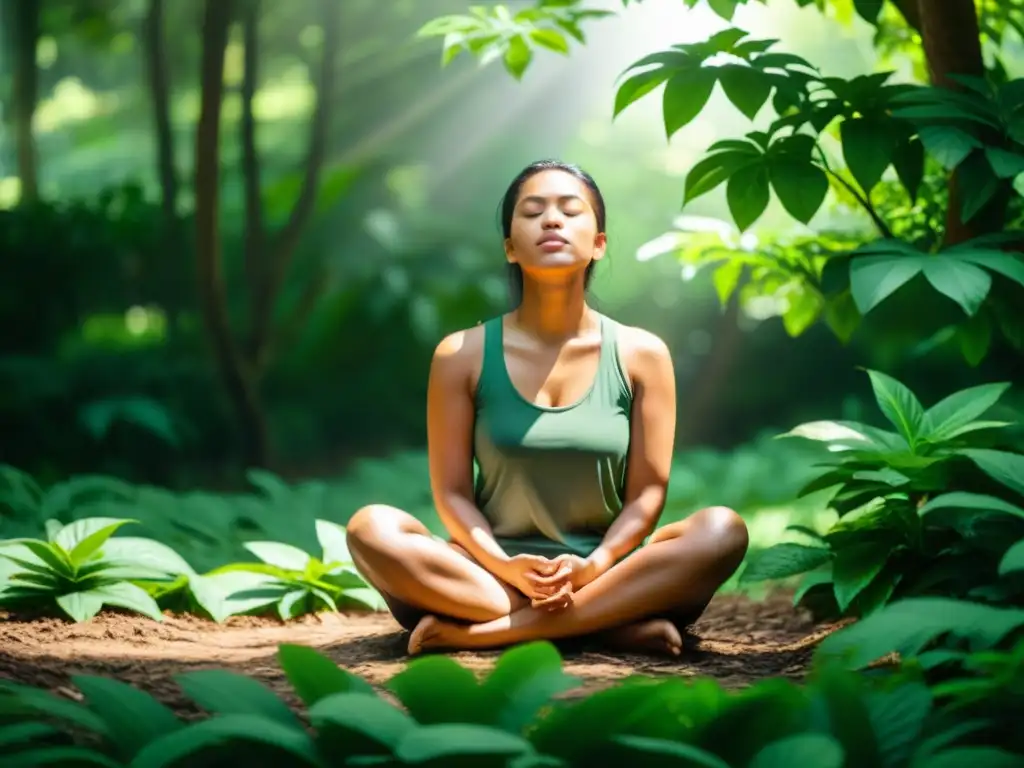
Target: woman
[(570, 418)]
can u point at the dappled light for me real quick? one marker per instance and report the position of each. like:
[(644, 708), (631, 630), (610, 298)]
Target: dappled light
[(337, 429)]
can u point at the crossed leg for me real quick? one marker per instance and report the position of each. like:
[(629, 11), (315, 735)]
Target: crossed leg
[(630, 605)]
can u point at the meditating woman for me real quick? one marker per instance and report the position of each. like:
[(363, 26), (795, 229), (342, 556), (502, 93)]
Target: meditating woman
[(569, 417)]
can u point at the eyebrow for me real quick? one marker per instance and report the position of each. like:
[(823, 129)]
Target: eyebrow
[(540, 199)]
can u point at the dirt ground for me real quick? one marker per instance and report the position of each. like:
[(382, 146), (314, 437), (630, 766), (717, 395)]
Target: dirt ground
[(736, 641)]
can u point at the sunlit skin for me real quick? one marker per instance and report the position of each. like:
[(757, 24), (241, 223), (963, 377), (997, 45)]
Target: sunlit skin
[(472, 593)]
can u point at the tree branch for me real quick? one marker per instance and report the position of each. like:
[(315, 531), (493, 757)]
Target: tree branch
[(290, 235), (254, 230), (865, 203)]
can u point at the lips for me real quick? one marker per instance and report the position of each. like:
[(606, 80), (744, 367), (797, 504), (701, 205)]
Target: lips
[(552, 238)]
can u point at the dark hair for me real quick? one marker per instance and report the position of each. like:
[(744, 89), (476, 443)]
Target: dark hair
[(508, 206)]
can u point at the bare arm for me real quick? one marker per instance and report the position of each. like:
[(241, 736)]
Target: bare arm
[(450, 418), (650, 453)]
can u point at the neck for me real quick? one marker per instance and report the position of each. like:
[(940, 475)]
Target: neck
[(553, 312)]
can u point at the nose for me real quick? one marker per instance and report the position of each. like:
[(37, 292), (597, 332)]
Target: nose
[(552, 218)]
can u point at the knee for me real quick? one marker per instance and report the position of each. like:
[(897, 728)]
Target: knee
[(369, 526), (728, 530)]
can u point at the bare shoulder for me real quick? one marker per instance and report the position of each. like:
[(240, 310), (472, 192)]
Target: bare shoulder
[(644, 354), (459, 355)]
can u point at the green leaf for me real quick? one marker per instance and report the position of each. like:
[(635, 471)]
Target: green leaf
[(907, 626), (686, 93), (908, 162), (964, 283), (853, 568), (974, 337), (747, 88), (868, 10), (62, 757), (1009, 265), (950, 146), (715, 169), (333, 539), (25, 699), (357, 724), (133, 717), (964, 500), (523, 681), (132, 553), (842, 316), (960, 409), (80, 606), (815, 749), (726, 278), (1002, 466), (126, 595), (801, 187), (868, 147), (978, 183), (292, 604), (638, 86), (224, 693), (1005, 165), (279, 555), (724, 8), (748, 194), (803, 307), (82, 538), (48, 554), (314, 676), (447, 741), (1013, 559), (550, 39), (874, 278), (897, 718), (517, 56), (899, 405), (21, 734), (782, 561), (647, 751), (437, 689), (225, 731), (975, 757)]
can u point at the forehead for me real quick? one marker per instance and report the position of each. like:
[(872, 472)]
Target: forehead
[(553, 184)]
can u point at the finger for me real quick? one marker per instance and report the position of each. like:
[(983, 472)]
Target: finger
[(558, 599), (555, 578)]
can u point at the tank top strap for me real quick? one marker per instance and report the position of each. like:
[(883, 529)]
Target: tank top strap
[(492, 369), (612, 379)]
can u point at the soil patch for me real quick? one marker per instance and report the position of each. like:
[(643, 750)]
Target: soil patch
[(737, 641)]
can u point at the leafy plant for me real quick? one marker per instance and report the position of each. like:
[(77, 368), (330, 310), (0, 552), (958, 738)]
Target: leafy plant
[(72, 569), (292, 580), (514, 716), (918, 505)]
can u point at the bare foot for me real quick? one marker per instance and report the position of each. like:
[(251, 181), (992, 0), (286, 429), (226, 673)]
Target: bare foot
[(659, 635), (426, 634)]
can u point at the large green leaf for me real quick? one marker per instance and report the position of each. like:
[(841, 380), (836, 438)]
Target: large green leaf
[(189, 745), (62, 757), (486, 746), (979, 184), (748, 194), (686, 94), (333, 539), (874, 278), (1005, 165), (83, 538), (715, 169), (960, 409), (80, 606), (1013, 560), (907, 626), (225, 693), (1002, 466), (975, 757), (817, 749), (747, 88), (437, 689), (868, 148), (784, 560), (897, 717), (523, 681), (133, 717), (964, 283), (853, 569), (800, 186), (640, 750), (1010, 265), (518, 56), (283, 556), (351, 724), (976, 501), (314, 676), (899, 405), (949, 145)]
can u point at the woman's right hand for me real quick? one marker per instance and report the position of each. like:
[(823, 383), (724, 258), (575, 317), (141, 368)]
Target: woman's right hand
[(533, 575)]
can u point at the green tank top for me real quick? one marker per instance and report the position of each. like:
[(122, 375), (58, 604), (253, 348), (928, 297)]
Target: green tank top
[(551, 480)]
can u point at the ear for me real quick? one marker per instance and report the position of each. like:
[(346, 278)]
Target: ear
[(600, 246), (510, 253)]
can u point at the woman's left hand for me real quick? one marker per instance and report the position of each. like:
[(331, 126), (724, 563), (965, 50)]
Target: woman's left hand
[(575, 573)]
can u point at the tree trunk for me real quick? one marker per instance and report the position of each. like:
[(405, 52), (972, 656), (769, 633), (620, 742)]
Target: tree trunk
[(951, 38), (25, 25), (254, 237), (239, 379), (155, 54)]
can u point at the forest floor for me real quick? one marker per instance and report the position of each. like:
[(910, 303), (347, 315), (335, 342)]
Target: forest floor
[(737, 641)]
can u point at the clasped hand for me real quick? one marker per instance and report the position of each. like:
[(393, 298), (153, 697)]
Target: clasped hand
[(549, 582)]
